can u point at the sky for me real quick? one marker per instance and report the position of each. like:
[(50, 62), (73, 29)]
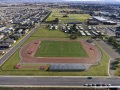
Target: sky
[(82, 0), (57, 0), (92, 0)]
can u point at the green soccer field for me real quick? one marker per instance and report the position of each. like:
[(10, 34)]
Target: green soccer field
[(60, 49)]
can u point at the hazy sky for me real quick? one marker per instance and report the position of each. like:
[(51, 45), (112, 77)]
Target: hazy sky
[(82, 0), (112, 1), (92, 0)]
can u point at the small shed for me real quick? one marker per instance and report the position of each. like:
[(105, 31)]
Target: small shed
[(17, 66), (42, 67)]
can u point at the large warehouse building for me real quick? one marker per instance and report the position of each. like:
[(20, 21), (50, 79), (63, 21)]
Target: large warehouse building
[(104, 20)]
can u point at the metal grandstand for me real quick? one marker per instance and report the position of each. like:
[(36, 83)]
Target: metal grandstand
[(67, 67)]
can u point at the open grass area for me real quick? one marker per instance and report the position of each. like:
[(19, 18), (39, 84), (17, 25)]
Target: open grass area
[(46, 33), (43, 32), (60, 49), (98, 70), (72, 17)]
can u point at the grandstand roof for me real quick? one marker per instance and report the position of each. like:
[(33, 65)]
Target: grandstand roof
[(66, 67)]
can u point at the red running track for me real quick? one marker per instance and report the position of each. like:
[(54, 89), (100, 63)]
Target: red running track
[(91, 50)]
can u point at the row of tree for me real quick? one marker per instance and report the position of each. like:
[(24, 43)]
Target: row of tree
[(115, 64), (114, 42)]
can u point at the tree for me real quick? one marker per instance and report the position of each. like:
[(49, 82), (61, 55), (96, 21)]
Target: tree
[(73, 36), (115, 62), (66, 15), (53, 27), (56, 20), (16, 38), (116, 44), (111, 39), (74, 28)]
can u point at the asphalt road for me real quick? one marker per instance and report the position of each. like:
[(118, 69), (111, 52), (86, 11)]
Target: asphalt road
[(12, 50), (56, 81), (109, 49)]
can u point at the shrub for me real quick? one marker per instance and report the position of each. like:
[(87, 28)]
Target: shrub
[(115, 62), (73, 36)]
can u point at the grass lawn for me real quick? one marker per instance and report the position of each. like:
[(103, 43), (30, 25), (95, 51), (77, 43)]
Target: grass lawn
[(72, 17), (98, 70), (45, 32), (42, 32), (117, 72), (60, 49)]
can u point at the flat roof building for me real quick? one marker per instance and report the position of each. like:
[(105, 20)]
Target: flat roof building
[(104, 20)]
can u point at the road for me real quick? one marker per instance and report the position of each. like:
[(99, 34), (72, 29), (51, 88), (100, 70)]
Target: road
[(56, 81), (109, 49), (12, 50)]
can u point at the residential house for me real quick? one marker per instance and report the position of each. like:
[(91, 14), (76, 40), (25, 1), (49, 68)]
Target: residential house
[(4, 45), (10, 41)]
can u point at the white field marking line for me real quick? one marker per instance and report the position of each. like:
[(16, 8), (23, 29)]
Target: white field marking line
[(109, 60)]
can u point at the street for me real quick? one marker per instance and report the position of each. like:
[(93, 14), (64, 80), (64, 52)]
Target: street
[(56, 81)]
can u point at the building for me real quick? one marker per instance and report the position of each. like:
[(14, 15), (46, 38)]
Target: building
[(2, 28), (67, 67), (92, 22), (5, 45), (10, 41), (6, 30), (1, 36), (104, 20), (2, 52)]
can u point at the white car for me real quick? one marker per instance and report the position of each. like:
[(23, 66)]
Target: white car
[(85, 84)]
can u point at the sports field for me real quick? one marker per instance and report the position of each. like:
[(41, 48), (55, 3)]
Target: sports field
[(60, 49), (72, 17)]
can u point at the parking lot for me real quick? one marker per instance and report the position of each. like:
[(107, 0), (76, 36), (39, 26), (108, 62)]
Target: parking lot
[(110, 31)]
